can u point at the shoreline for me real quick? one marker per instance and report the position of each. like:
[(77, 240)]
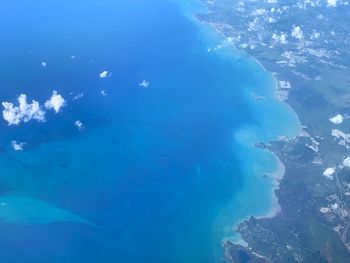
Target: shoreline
[(274, 207), (276, 176)]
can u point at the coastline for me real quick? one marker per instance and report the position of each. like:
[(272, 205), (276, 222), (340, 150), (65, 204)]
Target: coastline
[(274, 77), (272, 210), (275, 176)]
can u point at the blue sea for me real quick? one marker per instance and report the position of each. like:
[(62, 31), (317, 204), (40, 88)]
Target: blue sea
[(157, 174)]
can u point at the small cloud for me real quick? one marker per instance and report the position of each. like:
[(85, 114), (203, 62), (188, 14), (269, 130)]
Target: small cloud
[(329, 173), (272, 20), (18, 146), (282, 38), (104, 93), (257, 96), (341, 135), (315, 35), (105, 74), (346, 162), (332, 3), (297, 32), (72, 57), (78, 96), (43, 64), (144, 84), (24, 112), (338, 119), (325, 210), (79, 125), (56, 102)]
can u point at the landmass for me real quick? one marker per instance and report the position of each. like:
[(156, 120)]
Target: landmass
[(305, 45)]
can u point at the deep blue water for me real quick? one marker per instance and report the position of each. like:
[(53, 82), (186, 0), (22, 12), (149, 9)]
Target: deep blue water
[(156, 169)]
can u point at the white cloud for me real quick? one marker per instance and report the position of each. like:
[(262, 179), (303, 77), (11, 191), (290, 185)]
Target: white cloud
[(332, 3), (329, 172), (259, 12), (346, 162), (325, 210), (24, 112), (341, 135), (78, 96), (18, 146), (44, 64), (144, 84), (104, 93), (56, 102), (79, 125), (105, 74), (297, 32), (315, 35), (338, 119), (272, 20), (280, 38)]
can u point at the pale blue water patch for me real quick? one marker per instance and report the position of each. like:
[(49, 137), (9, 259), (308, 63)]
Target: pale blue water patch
[(30, 211), (163, 171)]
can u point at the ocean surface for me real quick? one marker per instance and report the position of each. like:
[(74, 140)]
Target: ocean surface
[(157, 174)]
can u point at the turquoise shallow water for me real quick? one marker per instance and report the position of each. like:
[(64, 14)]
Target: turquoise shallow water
[(159, 173)]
